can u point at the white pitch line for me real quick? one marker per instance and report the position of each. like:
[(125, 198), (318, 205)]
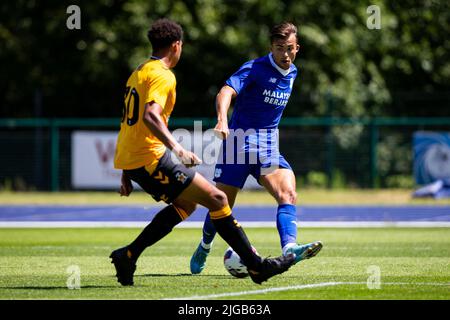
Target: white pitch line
[(242, 293), (298, 287)]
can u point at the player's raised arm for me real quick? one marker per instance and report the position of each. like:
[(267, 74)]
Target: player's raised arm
[(223, 102), (153, 120)]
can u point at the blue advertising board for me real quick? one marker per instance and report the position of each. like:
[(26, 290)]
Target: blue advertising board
[(431, 156)]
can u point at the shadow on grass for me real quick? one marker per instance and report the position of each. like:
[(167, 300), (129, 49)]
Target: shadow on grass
[(55, 288), (49, 288)]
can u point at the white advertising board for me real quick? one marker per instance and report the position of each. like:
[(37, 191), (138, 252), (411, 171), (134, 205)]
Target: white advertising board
[(93, 159)]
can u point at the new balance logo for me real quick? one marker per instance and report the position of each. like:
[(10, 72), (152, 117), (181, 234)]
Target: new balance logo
[(273, 80)]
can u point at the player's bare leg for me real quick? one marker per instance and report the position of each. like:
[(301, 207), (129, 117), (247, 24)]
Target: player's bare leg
[(281, 185), (230, 191)]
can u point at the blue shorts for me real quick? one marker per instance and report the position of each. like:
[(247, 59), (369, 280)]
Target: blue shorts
[(235, 174)]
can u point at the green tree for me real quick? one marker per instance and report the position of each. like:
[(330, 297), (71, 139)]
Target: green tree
[(403, 69)]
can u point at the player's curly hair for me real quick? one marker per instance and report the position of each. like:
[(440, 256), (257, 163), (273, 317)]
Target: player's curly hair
[(163, 33), (283, 31)]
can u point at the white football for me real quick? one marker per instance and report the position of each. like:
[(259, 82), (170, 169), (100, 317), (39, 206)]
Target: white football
[(233, 263)]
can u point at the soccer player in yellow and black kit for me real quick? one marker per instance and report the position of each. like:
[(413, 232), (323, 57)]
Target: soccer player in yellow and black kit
[(143, 152)]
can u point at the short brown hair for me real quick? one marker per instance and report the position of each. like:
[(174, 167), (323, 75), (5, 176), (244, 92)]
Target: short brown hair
[(283, 31), (163, 33)]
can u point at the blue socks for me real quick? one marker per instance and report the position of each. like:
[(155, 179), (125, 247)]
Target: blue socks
[(287, 224), (209, 231)]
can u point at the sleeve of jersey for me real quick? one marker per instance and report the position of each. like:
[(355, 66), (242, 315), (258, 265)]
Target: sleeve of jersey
[(241, 77), (159, 88)]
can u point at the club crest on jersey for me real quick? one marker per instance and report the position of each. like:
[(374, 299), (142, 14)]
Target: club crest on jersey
[(273, 80), (217, 173), (180, 176)]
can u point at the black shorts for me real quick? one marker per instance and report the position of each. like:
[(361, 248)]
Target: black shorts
[(167, 181)]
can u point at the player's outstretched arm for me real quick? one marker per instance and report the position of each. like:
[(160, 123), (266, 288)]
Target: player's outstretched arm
[(223, 102), (153, 120)]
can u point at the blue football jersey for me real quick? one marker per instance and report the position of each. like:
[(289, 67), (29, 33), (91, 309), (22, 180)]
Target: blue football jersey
[(263, 93)]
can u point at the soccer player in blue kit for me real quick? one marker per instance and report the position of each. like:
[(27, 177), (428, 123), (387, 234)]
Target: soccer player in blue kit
[(261, 89)]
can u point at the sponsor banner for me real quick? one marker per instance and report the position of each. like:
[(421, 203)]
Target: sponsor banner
[(93, 158)]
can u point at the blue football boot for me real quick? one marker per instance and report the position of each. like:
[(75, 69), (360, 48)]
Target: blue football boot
[(198, 260), (305, 251)]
